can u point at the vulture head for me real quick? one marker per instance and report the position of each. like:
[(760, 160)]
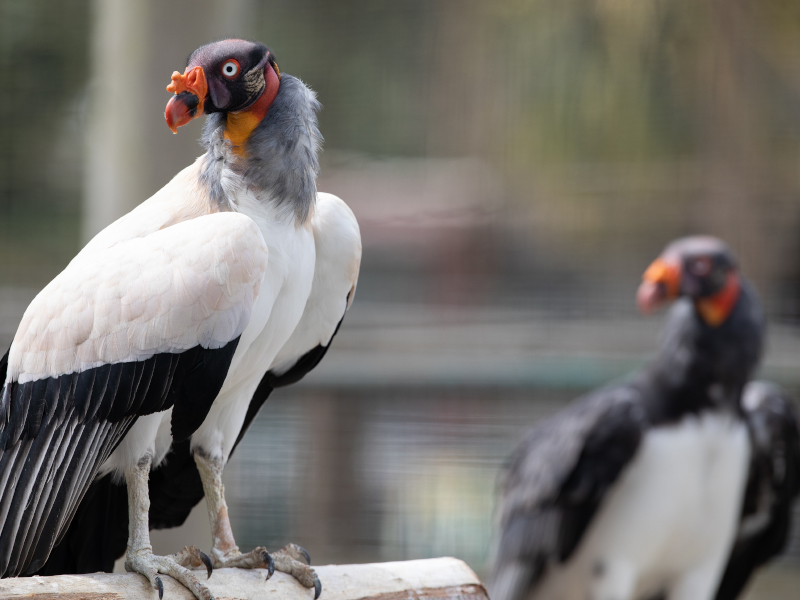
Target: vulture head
[(237, 77), (701, 268)]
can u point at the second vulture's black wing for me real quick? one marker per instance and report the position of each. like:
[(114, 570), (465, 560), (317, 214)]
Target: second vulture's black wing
[(772, 487), (557, 479)]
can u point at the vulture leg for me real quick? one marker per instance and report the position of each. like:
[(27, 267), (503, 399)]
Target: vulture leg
[(139, 557), (291, 559)]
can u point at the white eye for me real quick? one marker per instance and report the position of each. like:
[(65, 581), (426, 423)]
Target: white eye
[(230, 68)]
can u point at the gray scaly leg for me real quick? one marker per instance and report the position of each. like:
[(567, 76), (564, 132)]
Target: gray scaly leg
[(139, 557), (291, 559)]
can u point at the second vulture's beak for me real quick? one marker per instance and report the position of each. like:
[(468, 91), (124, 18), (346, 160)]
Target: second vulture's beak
[(190, 91), (661, 282)]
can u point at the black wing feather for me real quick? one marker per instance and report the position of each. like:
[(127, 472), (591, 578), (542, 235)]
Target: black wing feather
[(83, 393), (142, 387), (773, 485), (56, 433), (102, 383), (203, 379), (558, 476), (37, 408)]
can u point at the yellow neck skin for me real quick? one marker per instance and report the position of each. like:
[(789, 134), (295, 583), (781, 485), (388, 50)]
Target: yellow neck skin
[(239, 126), (716, 309)]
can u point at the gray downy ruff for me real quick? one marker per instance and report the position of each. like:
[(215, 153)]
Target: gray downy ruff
[(281, 153)]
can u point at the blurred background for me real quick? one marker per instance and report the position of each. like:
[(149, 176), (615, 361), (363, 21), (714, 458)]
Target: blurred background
[(514, 166)]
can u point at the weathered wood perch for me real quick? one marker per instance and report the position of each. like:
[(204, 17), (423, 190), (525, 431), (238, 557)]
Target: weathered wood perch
[(432, 579)]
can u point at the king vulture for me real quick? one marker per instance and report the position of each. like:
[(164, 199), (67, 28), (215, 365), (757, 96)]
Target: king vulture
[(169, 329), (648, 489)]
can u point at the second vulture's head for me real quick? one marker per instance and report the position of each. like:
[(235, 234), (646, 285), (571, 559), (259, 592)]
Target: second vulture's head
[(701, 268), (237, 77)]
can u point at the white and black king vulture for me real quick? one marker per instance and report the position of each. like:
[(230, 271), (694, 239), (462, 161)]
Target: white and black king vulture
[(173, 324), (650, 488)]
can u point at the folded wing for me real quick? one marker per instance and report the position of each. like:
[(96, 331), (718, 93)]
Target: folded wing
[(556, 481), (772, 487), (127, 330)]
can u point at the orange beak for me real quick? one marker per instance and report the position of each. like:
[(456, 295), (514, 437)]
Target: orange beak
[(661, 282), (190, 91)]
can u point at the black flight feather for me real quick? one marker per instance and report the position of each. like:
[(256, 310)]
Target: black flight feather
[(772, 488), (202, 383), (102, 379), (58, 431)]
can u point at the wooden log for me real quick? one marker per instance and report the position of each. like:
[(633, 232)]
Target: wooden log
[(431, 579)]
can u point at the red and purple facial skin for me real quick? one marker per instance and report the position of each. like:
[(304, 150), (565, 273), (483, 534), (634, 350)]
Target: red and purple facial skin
[(229, 76)]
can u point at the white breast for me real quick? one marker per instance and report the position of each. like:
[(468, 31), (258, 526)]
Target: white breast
[(670, 520), (278, 308)]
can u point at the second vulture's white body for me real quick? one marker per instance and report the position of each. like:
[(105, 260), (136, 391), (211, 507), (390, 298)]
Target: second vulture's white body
[(668, 523)]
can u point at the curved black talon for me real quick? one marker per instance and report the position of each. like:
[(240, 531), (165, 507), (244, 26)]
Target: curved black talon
[(317, 587), (305, 553), (270, 564), (160, 586), (207, 562)]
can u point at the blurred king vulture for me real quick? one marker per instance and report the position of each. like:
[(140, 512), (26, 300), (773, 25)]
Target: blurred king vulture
[(675, 485), (167, 332)]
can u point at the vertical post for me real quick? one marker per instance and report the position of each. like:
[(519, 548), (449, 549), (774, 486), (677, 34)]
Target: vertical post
[(114, 145)]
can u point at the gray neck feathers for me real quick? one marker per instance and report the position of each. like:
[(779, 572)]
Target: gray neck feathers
[(281, 154)]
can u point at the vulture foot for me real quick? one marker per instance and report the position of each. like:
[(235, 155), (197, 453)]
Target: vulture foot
[(291, 559), (150, 565), (192, 556), (295, 561), (258, 558)]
